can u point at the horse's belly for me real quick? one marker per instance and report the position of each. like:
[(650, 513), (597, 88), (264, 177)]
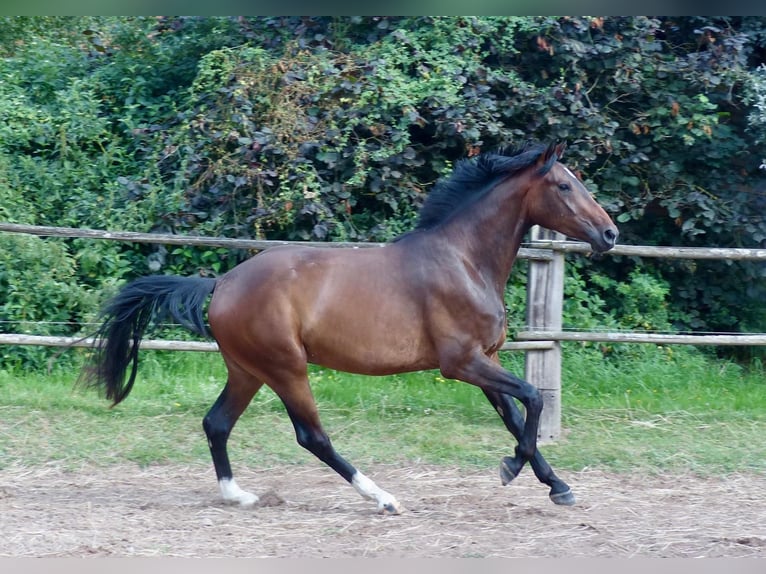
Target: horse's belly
[(371, 349)]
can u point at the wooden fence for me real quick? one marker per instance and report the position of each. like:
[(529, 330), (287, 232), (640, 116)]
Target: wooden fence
[(541, 340)]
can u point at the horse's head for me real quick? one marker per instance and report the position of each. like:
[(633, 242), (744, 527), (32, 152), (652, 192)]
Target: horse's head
[(558, 200)]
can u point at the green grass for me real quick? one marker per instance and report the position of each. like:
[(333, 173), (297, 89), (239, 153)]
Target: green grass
[(650, 411)]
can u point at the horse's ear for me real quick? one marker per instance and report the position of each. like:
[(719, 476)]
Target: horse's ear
[(552, 153), (559, 149)]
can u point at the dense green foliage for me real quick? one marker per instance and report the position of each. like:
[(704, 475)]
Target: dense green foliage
[(330, 128)]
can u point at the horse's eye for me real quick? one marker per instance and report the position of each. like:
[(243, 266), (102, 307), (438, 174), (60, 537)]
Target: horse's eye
[(565, 187)]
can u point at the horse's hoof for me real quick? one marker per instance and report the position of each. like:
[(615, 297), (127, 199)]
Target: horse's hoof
[(565, 498), (509, 469), (233, 494), (390, 509), (246, 500)]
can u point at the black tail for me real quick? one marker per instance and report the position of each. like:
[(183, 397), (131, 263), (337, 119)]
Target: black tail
[(125, 320)]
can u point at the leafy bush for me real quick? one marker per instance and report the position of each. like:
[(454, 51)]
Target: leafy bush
[(653, 110), (38, 295)]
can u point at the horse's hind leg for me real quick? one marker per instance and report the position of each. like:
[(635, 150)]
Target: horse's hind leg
[(505, 406), (300, 405), (233, 400)]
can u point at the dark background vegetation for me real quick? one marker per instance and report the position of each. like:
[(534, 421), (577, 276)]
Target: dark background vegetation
[(335, 128)]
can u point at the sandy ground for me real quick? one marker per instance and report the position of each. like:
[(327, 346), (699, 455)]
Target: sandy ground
[(175, 511)]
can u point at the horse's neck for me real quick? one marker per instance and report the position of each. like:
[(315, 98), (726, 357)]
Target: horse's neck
[(489, 236)]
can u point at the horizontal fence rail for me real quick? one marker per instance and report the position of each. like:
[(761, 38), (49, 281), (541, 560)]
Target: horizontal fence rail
[(727, 253), (522, 341), (55, 341), (202, 241), (655, 338), (203, 346), (540, 251)]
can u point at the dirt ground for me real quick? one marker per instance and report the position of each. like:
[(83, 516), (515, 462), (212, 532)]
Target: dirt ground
[(175, 511)]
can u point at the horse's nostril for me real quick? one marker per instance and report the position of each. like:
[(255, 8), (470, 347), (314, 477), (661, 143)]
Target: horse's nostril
[(610, 235)]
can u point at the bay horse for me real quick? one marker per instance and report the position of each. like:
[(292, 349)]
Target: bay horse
[(430, 299)]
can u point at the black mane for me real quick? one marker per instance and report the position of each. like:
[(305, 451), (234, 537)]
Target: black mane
[(473, 178)]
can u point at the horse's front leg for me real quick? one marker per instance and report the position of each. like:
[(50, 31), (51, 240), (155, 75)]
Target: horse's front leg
[(480, 370), (505, 406)]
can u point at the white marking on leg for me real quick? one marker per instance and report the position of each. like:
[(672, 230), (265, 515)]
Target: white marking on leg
[(387, 504), (233, 494)]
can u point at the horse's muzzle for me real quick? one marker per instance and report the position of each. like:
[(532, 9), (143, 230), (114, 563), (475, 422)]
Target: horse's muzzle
[(605, 239)]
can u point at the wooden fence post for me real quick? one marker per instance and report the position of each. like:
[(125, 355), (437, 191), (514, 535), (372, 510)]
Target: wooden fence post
[(545, 300)]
